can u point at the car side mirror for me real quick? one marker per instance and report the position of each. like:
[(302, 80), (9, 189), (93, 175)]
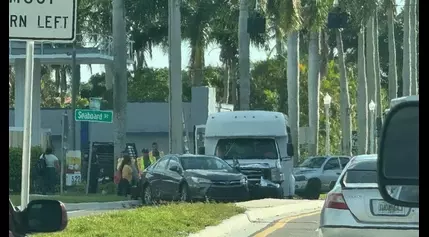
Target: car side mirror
[(290, 151), (45, 216), (398, 156), (176, 168)]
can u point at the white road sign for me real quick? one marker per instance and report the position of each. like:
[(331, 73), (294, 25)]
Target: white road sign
[(42, 20)]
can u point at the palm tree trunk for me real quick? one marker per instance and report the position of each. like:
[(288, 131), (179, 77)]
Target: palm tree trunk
[(233, 75), (313, 89), (293, 88), (244, 60), (406, 63), (279, 41), (370, 60), (413, 45), (120, 77), (346, 132), (362, 96), (393, 70), (226, 71), (379, 107)]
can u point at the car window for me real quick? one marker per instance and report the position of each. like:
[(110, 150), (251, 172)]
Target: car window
[(332, 164), (161, 164), (344, 161), (173, 162)]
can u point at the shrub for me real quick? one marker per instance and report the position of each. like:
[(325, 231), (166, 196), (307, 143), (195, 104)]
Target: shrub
[(15, 166)]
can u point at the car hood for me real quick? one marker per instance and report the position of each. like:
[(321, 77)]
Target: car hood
[(303, 170), (214, 175)]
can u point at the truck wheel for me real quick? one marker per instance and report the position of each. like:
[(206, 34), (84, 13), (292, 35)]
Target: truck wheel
[(312, 190)]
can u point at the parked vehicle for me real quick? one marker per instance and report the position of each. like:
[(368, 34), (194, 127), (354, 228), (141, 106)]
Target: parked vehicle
[(354, 207), (40, 216), (318, 175), (256, 142), (191, 177)]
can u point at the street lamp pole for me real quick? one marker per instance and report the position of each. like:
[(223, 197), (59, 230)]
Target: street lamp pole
[(371, 107), (327, 102)]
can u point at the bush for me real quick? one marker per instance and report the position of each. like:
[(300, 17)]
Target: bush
[(15, 166)]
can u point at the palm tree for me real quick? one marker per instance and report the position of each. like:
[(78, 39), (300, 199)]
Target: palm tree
[(393, 70), (362, 95), (291, 22), (315, 14), (413, 45), (406, 63)]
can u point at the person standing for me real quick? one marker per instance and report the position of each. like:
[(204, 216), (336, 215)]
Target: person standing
[(126, 172), (49, 175), (145, 160), (155, 153)]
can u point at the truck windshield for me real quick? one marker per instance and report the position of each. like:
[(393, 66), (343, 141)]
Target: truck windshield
[(247, 148)]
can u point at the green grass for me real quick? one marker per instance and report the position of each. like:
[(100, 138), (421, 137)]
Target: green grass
[(71, 198), (172, 220)]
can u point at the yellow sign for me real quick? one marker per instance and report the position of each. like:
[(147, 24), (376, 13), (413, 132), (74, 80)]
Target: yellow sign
[(73, 162)]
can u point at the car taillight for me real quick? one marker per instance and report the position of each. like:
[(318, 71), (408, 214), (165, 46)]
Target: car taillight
[(336, 201)]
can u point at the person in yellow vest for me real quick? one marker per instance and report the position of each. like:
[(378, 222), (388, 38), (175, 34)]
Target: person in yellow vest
[(155, 153), (144, 161)]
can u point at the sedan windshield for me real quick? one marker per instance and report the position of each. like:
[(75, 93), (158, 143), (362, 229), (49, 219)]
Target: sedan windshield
[(204, 163), (314, 162)]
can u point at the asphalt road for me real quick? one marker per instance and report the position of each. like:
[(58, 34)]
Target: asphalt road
[(301, 227)]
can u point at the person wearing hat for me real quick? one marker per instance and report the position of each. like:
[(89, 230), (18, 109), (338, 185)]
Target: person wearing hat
[(145, 160)]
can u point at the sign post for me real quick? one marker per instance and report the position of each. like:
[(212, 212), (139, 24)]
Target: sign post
[(30, 21)]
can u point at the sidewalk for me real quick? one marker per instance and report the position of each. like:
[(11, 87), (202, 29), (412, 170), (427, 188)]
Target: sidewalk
[(259, 214)]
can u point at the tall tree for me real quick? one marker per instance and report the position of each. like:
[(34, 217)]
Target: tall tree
[(291, 23), (393, 70), (413, 46), (315, 14), (406, 63)]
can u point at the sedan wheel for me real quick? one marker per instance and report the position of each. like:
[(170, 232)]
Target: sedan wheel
[(147, 195)]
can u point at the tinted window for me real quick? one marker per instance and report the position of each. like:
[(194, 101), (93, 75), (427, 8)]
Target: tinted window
[(174, 162), (246, 148), (161, 164), (204, 163), (361, 172), (314, 162), (360, 176), (344, 161), (332, 164)]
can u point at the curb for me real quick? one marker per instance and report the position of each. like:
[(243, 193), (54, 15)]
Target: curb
[(102, 205)]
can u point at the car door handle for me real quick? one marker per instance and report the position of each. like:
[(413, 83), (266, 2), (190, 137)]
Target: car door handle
[(338, 173)]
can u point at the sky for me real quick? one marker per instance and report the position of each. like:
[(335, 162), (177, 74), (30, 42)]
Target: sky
[(160, 59)]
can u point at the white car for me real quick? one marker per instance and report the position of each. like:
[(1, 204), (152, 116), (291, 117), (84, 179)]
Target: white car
[(355, 208)]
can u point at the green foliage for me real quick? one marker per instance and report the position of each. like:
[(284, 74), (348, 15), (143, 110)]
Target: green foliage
[(15, 166)]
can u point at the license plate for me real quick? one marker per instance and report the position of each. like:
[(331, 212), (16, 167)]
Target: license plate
[(382, 208)]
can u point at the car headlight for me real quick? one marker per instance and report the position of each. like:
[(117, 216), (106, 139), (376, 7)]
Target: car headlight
[(201, 180), (277, 175), (300, 178), (243, 180)]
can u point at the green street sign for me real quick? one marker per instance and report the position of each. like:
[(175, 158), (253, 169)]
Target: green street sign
[(95, 116)]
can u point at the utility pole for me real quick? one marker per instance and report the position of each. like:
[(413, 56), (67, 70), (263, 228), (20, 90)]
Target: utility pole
[(75, 88), (175, 77), (243, 53), (120, 76)]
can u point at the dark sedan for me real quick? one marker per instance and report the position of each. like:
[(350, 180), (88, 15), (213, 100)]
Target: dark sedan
[(192, 177)]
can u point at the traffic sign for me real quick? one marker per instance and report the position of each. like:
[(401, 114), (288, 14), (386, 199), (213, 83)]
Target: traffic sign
[(96, 116), (49, 20)]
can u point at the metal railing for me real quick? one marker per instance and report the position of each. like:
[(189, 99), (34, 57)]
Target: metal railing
[(102, 43)]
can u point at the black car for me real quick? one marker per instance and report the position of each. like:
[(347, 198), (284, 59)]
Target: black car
[(190, 178)]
